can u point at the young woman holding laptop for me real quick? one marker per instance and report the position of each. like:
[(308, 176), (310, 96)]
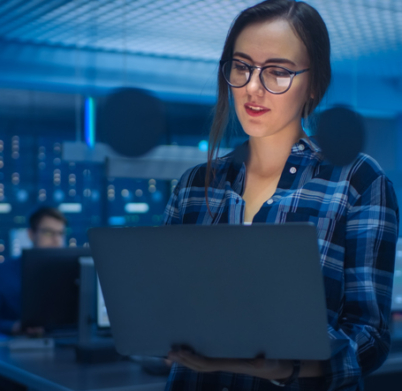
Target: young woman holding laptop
[(274, 71)]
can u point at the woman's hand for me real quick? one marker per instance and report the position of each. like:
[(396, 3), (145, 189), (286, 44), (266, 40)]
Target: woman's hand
[(258, 366)]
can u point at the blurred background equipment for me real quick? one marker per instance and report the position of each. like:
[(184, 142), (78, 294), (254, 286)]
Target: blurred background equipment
[(131, 121), (340, 134), (61, 60)]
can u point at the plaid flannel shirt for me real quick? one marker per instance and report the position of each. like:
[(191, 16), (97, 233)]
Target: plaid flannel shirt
[(356, 214)]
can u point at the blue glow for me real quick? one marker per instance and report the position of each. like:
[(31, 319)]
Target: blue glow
[(90, 122), (117, 220), (157, 196), (22, 195), (203, 145), (95, 195), (58, 195)]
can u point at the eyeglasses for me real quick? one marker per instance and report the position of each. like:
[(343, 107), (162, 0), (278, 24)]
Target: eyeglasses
[(275, 79), (51, 233)]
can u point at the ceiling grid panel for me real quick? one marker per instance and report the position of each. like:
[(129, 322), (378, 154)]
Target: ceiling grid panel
[(195, 29), (26, 14)]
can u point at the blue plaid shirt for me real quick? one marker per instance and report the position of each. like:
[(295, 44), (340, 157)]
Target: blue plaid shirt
[(356, 214)]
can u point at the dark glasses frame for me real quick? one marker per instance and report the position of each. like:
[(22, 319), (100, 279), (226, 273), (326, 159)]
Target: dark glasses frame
[(251, 69)]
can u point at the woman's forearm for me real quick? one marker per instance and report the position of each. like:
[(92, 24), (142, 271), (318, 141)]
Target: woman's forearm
[(258, 367), (274, 369), (284, 368)]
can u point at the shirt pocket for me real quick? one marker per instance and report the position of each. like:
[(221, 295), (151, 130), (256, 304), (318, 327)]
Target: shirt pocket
[(328, 228)]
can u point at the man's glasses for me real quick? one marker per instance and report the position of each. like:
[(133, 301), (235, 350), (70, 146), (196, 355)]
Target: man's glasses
[(51, 233), (275, 79)]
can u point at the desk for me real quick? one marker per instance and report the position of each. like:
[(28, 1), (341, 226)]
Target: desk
[(388, 377), (393, 363), (57, 370)]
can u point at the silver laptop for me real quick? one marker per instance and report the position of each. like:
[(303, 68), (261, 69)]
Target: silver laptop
[(224, 290)]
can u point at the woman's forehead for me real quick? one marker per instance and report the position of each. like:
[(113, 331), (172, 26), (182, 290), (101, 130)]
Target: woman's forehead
[(270, 40)]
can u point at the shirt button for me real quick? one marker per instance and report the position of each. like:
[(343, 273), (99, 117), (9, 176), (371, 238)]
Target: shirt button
[(293, 170), (301, 147), (270, 201)]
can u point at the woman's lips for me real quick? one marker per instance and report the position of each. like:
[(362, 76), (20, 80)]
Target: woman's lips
[(255, 110)]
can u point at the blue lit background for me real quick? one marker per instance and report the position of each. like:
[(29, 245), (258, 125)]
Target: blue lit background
[(58, 56)]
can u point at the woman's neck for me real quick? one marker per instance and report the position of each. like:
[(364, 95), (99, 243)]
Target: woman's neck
[(268, 155)]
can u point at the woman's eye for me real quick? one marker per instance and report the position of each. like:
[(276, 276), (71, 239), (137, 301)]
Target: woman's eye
[(240, 68), (279, 73)]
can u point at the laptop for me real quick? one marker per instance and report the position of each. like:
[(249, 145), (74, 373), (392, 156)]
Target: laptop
[(226, 290)]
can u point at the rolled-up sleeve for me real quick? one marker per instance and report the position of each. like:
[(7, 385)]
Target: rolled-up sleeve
[(371, 236), (172, 210), (176, 206)]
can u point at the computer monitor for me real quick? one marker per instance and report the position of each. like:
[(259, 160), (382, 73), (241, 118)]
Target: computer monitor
[(19, 240), (92, 303), (397, 291), (101, 311), (50, 287)]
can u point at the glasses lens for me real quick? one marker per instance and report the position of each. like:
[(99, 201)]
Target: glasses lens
[(276, 79), (236, 73), (51, 232)]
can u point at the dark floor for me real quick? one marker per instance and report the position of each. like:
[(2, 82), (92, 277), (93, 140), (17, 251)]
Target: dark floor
[(386, 382)]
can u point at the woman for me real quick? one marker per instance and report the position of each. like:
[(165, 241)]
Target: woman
[(275, 69)]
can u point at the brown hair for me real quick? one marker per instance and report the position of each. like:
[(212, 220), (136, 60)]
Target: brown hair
[(309, 26), (41, 213)]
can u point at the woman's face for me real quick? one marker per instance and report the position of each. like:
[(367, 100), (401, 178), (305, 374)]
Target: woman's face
[(271, 43)]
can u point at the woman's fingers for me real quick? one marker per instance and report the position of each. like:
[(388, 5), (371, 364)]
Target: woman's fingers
[(194, 361)]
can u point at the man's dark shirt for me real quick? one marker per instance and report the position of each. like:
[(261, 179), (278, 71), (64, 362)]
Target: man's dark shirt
[(10, 294)]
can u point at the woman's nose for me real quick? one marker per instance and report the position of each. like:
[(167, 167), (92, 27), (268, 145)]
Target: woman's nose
[(254, 86)]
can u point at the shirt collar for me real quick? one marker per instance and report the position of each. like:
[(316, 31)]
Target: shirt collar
[(309, 143)]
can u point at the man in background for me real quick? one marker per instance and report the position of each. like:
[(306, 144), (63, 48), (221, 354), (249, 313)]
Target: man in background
[(46, 230)]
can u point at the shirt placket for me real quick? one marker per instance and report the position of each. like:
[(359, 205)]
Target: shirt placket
[(288, 180)]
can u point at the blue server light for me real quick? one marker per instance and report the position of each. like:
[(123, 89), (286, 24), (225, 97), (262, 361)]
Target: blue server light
[(117, 220), (203, 145), (136, 207), (90, 122)]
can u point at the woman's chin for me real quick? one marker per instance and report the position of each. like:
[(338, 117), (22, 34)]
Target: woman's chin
[(258, 133)]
